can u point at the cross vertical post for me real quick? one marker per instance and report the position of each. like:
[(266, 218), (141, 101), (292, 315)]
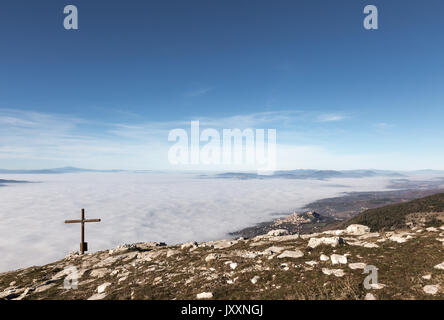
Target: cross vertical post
[(82, 240)]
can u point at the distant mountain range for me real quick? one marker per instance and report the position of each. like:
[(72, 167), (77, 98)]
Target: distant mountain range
[(283, 174), (54, 170), (312, 174)]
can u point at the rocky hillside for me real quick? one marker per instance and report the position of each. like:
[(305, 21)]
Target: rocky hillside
[(428, 211), (278, 265)]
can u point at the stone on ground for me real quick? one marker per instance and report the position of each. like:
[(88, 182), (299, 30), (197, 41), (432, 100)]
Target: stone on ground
[(291, 254), (204, 295), (338, 259), (357, 229), (431, 289)]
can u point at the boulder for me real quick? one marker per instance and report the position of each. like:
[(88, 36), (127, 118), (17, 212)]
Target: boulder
[(254, 279), (289, 237), (369, 296), (273, 250), (398, 238), (431, 289), (189, 245), (357, 265), (357, 229), (204, 295), (45, 287), (439, 266), (277, 232), (370, 245), (223, 244), (171, 252), (102, 287), (333, 241), (212, 256), (323, 257), (377, 286), (336, 272), (97, 296), (291, 254), (338, 259), (334, 232)]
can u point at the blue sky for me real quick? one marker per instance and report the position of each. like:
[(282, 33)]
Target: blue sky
[(106, 95)]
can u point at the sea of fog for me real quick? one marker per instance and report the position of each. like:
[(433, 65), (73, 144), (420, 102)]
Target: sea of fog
[(136, 207)]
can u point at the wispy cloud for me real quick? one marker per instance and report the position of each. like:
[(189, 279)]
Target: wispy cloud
[(383, 125), (331, 117), (28, 137), (198, 92)]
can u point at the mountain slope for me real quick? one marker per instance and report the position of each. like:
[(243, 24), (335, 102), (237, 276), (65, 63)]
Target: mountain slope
[(326, 265), (428, 211)]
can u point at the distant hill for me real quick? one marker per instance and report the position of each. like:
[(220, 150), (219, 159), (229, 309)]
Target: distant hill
[(425, 210), (2, 181), (54, 170)]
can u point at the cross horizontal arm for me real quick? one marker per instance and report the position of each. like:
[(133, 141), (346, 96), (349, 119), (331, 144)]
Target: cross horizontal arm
[(92, 220), (73, 221)]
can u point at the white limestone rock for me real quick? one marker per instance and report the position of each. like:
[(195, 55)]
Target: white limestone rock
[(97, 296), (431, 289), (377, 286), (357, 265), (398, 238), (291, 254), (369, 296), (171, 252), (189, 245), (336, 272), (357, 229), (204, 295), (333, 241), (289, 237), (102, 287), (338, 259), (273, 250), (212, 256), (255, 279), (323, 257), (277, 232), (439, 266), (370, 245), (369, 235), (334, 232)]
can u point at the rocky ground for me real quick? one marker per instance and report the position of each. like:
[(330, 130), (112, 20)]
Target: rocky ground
[(278, 265)]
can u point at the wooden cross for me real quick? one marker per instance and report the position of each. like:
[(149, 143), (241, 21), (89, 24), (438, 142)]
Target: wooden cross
[(83, 244)]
